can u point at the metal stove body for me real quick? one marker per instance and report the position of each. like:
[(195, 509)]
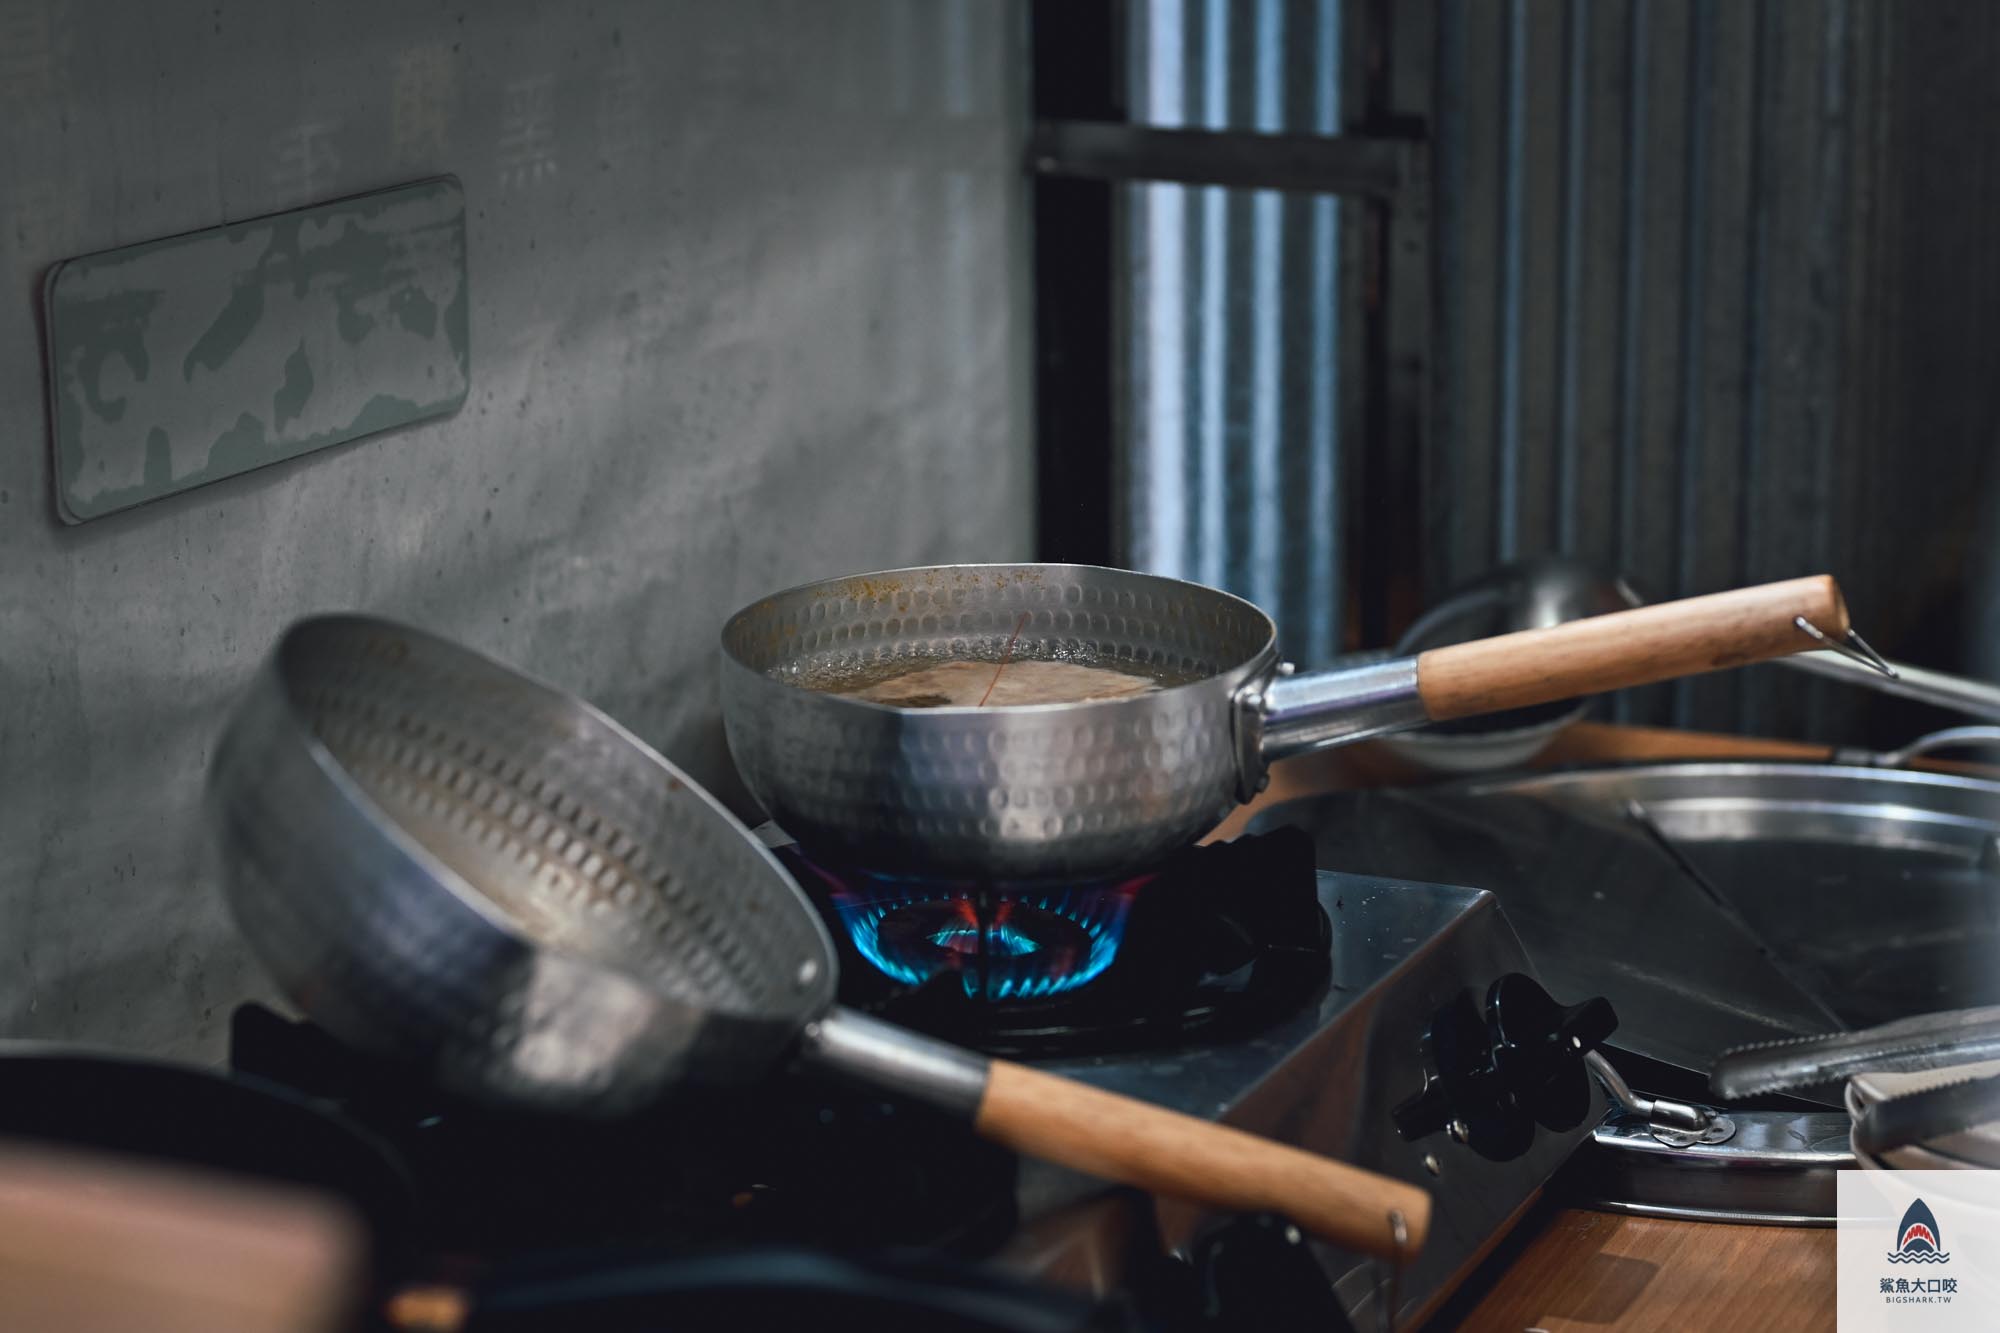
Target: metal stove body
[(1330, 1078)]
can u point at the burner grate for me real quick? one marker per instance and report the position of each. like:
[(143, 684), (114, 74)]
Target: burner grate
[(1218, 941)]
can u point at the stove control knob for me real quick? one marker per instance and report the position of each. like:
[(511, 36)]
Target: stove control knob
[(1258, 1272), (1461, 1095), (1492, 1075), (1538, 1048)]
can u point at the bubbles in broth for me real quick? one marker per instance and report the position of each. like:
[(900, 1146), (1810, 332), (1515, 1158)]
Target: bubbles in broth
[(939, 682)]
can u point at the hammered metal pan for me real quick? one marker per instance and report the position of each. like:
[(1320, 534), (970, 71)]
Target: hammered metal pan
[(443, 862), (1094, 788)]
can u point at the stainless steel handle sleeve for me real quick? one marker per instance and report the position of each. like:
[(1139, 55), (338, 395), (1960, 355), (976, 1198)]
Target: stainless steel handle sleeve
[(1300, 713), (886, 1056)]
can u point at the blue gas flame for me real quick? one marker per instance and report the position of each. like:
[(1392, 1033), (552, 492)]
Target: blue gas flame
[(1018, 962), (1002, 941)]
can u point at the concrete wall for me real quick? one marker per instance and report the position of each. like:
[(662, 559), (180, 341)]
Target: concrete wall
[(746, 309)]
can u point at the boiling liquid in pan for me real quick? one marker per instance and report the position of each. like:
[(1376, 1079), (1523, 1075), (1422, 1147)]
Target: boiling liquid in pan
[(934, 682)]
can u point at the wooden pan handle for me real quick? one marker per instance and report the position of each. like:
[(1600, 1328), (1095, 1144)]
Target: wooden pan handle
[(1637, 647), (91, 1242), (1135, 1143)]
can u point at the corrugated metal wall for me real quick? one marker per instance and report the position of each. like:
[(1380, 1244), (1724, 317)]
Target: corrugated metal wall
[(1653, 221), (1711, 286), (1232, 454), (1936, 302)]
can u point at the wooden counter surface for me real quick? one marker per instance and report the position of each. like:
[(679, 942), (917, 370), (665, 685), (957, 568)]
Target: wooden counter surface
[(1583, 1272), (1569, 1270)]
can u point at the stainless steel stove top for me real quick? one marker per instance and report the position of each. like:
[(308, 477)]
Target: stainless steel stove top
[(1328, 1078)]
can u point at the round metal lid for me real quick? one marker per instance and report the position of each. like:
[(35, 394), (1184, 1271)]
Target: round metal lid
[(1714, 904)]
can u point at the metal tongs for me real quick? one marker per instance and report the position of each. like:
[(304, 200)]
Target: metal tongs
[(1908, 1045)]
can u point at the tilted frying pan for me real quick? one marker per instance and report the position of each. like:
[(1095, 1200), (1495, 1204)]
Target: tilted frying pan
[(443, 862), (1093, 788)]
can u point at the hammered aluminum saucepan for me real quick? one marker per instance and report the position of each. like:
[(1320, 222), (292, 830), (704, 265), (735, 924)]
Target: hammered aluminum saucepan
[(445, 863), (1093, 788)]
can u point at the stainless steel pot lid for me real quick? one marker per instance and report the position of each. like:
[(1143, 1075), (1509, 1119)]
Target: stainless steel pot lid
[(1714, 904)]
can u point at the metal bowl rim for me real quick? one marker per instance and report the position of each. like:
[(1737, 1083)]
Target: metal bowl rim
[(1714, 768), (461, 889)]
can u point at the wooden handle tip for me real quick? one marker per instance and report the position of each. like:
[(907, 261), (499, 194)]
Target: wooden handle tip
[(1134, 1143)]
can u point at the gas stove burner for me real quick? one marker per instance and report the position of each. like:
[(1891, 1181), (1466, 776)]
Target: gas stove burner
[(1000, 943), (1214, 941)]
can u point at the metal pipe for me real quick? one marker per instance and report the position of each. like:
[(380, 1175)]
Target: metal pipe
[(1975, 698), (1660, 1113)]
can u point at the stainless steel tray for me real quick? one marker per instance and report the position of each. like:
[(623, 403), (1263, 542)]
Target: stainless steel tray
[(1714, 904)]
